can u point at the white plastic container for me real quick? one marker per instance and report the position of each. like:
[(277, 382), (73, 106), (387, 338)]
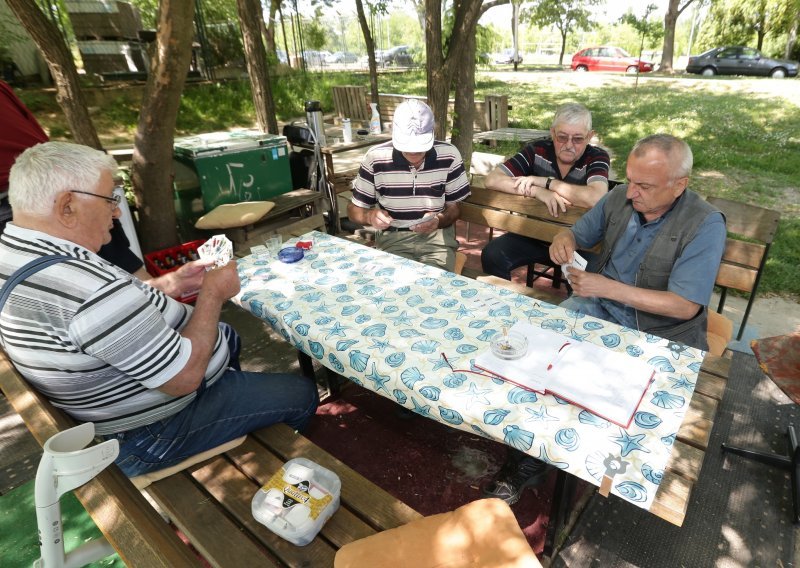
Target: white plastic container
[(375, 121), (347, 131), (297, 500)]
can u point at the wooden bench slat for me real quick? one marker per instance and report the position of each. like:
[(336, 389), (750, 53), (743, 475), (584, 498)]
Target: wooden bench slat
[(218, 539), (716, 365), (259, 463), (370, 502), (686, 461), (698, 422), (711, 385), (744, 253), (234, 491), (672, 499), (523, 205), (518, 224)]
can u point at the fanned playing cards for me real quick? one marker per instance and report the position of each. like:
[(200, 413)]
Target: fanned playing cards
[(218, 248)]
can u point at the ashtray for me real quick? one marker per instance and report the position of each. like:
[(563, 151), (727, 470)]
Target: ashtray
[(511, 345), (290, 254)]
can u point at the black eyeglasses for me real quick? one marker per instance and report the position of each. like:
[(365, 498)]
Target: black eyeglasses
[(115, 199)]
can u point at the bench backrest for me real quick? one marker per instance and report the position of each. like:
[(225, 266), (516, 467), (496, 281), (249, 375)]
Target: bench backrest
[(119, 510), (488, 113), (751, 231), (350, 101)]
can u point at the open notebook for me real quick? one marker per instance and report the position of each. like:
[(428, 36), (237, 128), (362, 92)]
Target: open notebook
[(610, 384)]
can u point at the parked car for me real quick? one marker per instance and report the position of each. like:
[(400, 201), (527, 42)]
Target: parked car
[(342, 57), (740, 60), (507, 56), (314, 58), (399, 55), (608, 58)]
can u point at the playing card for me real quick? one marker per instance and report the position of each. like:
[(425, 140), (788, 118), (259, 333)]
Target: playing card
[(578, 262), (218, 248)]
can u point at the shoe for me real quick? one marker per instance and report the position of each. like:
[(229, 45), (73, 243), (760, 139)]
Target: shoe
[(514, 477)]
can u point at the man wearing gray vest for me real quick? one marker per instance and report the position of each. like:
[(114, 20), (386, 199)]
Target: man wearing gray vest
[(661, 245)]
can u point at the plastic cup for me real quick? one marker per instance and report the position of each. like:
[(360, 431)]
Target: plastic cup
[(274, 244)]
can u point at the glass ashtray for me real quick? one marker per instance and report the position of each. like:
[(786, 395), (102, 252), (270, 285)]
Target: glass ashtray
[(511, 345)]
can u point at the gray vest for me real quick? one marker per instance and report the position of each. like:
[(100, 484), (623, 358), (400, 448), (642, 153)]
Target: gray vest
[(676, 232)]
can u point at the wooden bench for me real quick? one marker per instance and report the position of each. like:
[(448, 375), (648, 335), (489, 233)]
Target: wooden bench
[(490, 114), (210, 502)]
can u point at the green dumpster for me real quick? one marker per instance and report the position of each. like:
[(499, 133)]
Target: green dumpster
[(237, 166), (188, 200)]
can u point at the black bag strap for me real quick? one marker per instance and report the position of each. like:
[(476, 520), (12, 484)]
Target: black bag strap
[(27, 270)]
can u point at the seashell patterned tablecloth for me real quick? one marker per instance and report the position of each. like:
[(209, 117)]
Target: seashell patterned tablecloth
[(411, 332)]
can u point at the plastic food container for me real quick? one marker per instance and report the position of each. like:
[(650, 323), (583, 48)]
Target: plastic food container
[(297, 500)]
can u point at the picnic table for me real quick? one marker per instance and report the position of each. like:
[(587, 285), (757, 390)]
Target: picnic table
[(384, 322)]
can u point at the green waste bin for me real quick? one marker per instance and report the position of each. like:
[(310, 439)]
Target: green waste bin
[(237, 166), (188, 200)]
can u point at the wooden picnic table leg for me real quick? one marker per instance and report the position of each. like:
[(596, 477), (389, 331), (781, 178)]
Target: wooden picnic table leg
[(562, 496), (328, 380)]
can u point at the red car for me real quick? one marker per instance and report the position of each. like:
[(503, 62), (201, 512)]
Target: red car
[(608, 58)]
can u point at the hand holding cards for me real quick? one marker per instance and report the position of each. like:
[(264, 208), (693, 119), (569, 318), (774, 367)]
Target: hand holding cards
[(578, 262), (218, 249)]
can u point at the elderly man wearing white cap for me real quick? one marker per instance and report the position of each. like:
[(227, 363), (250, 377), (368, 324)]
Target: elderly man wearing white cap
[(409, 189)]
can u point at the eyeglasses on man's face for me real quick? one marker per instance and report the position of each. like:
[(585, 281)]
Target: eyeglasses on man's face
[(114, 200), (577, 139)]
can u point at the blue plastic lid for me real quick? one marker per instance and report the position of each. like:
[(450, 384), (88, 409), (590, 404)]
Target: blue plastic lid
[(290, 254)]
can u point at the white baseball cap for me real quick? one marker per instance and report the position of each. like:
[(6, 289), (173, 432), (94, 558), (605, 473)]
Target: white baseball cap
[(412, 127)]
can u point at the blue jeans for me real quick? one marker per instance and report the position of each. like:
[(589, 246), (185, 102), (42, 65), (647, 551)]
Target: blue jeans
[(505, 253), (236, 404), (587, 306)]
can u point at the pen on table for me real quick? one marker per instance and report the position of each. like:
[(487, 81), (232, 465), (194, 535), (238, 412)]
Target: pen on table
[(550, 366)]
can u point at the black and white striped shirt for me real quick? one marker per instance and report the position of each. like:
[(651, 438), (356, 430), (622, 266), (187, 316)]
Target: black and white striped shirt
[(386, 178), (94, 340)]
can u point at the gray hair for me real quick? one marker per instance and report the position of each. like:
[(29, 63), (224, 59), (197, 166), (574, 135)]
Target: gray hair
[(573, 113), (45, 170), (676, 150)]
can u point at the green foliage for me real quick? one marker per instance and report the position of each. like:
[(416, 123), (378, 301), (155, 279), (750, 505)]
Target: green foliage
[(314, 33), (566, 15), (740, 22)]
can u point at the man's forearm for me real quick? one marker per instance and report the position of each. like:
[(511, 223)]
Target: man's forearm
[(660, 302), (580, 195), (449, 215)]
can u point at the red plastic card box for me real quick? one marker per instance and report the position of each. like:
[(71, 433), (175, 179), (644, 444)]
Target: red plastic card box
[(170, 259)]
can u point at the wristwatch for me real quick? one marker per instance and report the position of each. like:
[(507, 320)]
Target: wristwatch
[(548, 182)]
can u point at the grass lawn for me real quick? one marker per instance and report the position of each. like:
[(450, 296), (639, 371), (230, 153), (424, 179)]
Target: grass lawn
[(745, 133)]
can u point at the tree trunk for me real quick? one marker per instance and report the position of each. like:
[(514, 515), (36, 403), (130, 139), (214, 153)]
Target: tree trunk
[(59, 60), (269, 30), (442, 64), (370, 43), (791, 38), (256, 58), (674, 10), (151, 173), (515, 31), (563, 47), (464, 119)]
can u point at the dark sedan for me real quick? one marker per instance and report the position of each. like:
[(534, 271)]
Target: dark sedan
[(740, 60)]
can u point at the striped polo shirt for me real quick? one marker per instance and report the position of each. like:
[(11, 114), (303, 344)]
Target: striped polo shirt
[(93, 339), (539, 159), (387, 179)]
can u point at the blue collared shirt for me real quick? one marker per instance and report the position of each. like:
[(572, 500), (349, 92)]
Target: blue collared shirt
[(691, 277)]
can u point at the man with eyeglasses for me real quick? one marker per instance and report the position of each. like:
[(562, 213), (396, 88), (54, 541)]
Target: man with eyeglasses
[(20, 131), (157, 375), (562, 171)]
